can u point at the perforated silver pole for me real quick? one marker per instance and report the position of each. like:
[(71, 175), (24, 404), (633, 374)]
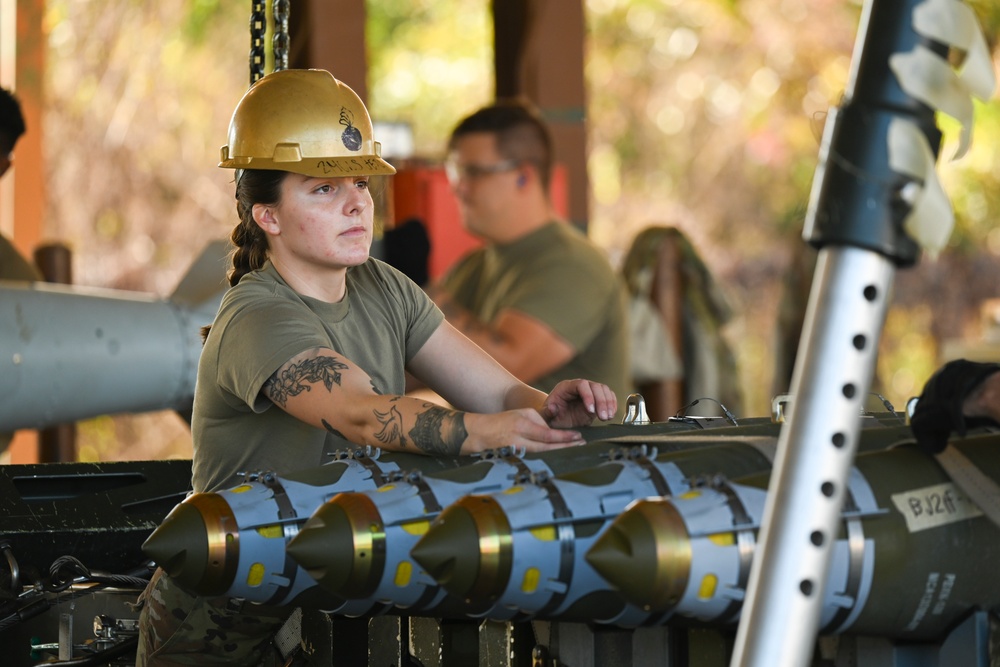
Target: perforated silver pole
[(816, 448), (856, 215)]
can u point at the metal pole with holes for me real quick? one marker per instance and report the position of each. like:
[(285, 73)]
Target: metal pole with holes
[(855, 218)]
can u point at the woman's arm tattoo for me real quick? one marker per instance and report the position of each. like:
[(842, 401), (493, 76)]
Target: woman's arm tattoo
[(392, 427), (440, 431), (294, 379)]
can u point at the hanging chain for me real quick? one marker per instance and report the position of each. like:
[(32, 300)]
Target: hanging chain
[(281, 41), (258, 27), (258, 30)]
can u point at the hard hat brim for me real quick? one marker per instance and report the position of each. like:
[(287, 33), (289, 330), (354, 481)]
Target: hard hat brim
[(365, 165)]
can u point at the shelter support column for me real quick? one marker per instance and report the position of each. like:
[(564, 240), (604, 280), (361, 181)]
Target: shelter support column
[(539, 53), (331, 36)]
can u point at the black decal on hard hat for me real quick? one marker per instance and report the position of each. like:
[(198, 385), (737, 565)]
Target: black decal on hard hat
[(352, 135)]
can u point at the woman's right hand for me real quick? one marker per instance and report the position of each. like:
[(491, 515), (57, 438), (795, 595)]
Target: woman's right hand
[(524, 427)]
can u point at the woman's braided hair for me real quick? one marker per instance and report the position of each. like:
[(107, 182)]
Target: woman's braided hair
[(253, 186)]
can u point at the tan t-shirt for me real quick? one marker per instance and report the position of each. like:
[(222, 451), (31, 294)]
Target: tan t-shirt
[(559, 277), (380, 324)]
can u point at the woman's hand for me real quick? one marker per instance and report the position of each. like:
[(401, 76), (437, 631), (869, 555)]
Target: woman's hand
[(571, 403), (577, 402), (515, 428)]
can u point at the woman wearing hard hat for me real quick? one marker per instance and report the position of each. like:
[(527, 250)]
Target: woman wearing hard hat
[(310, 347)]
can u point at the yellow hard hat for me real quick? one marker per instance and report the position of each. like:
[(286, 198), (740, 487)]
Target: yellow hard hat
[(304, 121)]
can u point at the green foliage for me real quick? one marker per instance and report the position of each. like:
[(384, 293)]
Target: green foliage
[(430, 62), (202, 16), (138, 99), (726, 102), (705, 114)]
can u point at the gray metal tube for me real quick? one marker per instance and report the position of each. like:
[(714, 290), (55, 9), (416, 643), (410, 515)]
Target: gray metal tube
[(68, 353), (816, 448)]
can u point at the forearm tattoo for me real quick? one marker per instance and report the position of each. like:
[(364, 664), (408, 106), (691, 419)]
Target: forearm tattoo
[(297, 378), (439, 431), (392, 427)]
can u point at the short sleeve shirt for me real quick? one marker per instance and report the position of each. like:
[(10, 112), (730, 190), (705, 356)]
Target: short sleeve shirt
[(558, 277), (380, 324)]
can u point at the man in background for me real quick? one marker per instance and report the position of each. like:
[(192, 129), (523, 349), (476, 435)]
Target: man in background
[(539, 297), (12, 265)]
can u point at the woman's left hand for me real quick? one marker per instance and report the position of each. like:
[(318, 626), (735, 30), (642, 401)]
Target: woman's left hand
[(577, 402)]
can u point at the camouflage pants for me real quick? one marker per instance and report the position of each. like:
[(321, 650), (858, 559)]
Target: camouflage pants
[(179, 629)]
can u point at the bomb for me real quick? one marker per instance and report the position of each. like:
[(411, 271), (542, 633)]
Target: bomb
[(521, 551), (913, 557), (234, 542)]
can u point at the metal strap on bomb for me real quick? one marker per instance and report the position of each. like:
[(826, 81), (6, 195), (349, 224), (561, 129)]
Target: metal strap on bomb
[(286, 511), (281, 499), (643, 457), (523, 472), (856, 554), (565, 532), (640, 456), (368, 458), (683, 416), (431, 507), (431, 504), (270, 480), (853, 514), (512, 456), (429, 501), (745, 541)]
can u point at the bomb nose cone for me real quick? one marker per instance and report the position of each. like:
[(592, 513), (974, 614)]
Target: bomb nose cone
[(646, 554), (468, 549), (195, 544), (180, 537), (342, 546), (611, 552)]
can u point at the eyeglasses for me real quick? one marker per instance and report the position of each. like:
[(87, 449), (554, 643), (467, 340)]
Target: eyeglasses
[(471, 172)]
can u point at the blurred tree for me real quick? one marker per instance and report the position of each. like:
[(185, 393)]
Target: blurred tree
[(138, 98), (708, 115), (705, 114), (430, 63), (138, 101)]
